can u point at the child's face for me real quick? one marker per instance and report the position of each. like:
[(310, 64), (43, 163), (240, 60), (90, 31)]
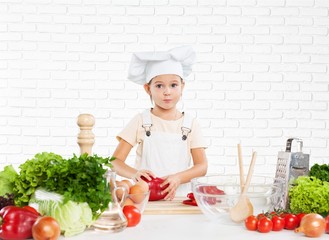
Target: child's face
[(165, 90)]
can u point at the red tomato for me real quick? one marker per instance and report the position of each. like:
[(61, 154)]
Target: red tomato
[(264, 225), (291, 221), (273, 213), (132, 214), (300, 216), (261, 215), (327, 224), (278, 223), (283, 214), (251, 223)]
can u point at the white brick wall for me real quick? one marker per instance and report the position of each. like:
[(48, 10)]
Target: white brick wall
[(262, 73)]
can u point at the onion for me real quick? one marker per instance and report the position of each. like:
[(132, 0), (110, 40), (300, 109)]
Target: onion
[(46, 228), (312, 225)]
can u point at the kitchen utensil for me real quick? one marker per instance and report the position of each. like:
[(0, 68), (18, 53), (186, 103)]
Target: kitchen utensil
[(139, 200), (262, 193), (112, 219), (244, 208), (86, 138), (290, 165), (241, 167), (242, 183)]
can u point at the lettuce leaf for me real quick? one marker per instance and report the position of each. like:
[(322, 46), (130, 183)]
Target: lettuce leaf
[(7, 179), (78, 179), (32, 174), (309, 194), (320, 171), (72, 217)]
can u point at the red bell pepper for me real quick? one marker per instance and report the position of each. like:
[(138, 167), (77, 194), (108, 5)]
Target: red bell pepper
[(155, 189), (211, 190), (16, 223), (191, 201)]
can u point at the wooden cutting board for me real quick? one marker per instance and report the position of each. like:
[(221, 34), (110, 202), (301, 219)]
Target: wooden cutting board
[(170, 207)]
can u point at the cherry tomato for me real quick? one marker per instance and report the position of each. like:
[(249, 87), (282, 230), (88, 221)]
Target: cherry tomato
[(273, 213), (264, 225), (291, 221), (251, 223), (278, 223), (261, 215), (299, 217), (283, 214), (327, 224), (132, 214)]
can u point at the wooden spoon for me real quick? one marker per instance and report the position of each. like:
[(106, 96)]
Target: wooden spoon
[(243, 207), (241, 167), (251, 208)]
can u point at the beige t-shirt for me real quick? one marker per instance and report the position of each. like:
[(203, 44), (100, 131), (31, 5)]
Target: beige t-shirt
[(134, 133)]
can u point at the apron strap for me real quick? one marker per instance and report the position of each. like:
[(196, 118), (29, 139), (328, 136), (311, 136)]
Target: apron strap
[(147, 122), (187, 125)]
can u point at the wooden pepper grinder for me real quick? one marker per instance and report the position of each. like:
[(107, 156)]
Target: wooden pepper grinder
[(86, 138)]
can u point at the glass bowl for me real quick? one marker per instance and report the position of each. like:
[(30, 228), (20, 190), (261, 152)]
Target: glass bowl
[(217, 194), (138, 200)]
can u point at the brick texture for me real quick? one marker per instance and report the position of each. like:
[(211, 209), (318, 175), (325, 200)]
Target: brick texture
[(261, 77)]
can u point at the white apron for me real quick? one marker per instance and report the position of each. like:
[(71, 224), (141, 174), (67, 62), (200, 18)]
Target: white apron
[(166, 153)]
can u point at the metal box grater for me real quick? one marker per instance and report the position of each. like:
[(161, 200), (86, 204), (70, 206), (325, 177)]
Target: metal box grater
[(290, 165)]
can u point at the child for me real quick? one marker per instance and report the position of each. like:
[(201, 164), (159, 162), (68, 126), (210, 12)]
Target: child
[(166, 137)]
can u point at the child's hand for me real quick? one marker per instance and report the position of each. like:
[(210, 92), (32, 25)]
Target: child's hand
[(174, 182), (142, 173)]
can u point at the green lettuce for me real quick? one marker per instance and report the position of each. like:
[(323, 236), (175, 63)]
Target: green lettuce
[(33, 174), (309, 194), (72, 217), (7, 179), (320, 171), (78, 179)]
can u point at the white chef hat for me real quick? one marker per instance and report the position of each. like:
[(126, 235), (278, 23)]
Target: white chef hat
[(146, 65)]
